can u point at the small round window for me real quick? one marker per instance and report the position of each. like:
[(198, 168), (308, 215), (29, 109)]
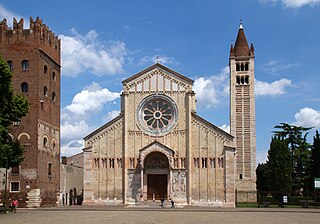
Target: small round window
[(157, 114)]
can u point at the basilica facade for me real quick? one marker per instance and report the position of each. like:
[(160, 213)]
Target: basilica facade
[(159, 147)]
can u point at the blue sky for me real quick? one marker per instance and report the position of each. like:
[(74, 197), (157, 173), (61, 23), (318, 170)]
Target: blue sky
[(105, 42)]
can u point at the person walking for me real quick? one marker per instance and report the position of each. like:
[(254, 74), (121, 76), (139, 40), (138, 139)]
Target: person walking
[(14, 205)]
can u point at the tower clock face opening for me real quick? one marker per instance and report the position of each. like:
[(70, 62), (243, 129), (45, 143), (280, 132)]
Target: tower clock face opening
[(157, 114)]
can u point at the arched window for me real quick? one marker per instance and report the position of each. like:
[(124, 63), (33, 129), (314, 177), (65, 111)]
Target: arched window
[(10, 64), (25, 65), (53, 97), (237, 67), (45, 91), (45, 141), (242, 80), (238, 80), (45, 69), (24, 87), (53, 76), (246, 68), (246, 80), (242, 67)]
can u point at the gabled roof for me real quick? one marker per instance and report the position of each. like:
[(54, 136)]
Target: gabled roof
[(154, 66), (222, 132), (159, 144)]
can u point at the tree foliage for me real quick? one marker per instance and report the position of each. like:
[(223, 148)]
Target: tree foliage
[(279, 164), (315, 158), (263, 174), (12, 108), (296, 138)]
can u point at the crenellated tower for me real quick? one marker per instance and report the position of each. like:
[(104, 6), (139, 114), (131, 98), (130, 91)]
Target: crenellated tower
[(242, 111), (33, 56)]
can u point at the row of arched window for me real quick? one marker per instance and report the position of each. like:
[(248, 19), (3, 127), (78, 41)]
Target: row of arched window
[(25, 66), (45, 143), (242, 80), (25, 89), (243, 66), (208, 162)]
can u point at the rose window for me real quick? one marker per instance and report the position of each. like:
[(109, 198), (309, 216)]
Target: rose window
[(157, 114)]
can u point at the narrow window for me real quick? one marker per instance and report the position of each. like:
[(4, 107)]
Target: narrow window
[(242, 67), (212, 162), (119, 163), (204, 162), (238, 80), (45, 141), (240, 176), (49, 169), (45, 91), (53, 76), (14, 186), (242, 80), (246, 80), (53, 146), (53, 97), (183, 162), (111, 163), (25, 65), (10, 64), (45, 69), (24, 87), (237, 67), (246, 68)]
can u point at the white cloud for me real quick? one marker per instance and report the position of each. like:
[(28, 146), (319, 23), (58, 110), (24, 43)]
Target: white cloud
[(275, 67), (91, 100), (226, 128), (274, 88), (209, 91), (308, 117), (71, 148), (162, 59), (74, 130), (110, 115), (292, 3), (86, 53)]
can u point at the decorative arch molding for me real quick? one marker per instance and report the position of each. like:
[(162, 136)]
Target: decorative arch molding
[(24, 134), (156, 147)]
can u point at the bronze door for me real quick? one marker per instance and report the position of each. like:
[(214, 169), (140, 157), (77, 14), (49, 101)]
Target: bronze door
[(157, 186)]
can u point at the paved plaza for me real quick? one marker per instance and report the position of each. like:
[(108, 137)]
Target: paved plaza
[(92, 215)]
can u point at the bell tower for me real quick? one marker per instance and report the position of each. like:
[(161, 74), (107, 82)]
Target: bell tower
[(242, 111)]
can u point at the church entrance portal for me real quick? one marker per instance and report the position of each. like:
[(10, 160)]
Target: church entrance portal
[(157, 186), (156, 173)]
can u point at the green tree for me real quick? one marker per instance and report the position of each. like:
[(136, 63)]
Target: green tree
[(12, 108), (295, 137), (279, 166), (315, 158), (263, 174)]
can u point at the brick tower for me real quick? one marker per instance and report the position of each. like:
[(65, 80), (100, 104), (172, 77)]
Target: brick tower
[(33, 56), (242, 111)]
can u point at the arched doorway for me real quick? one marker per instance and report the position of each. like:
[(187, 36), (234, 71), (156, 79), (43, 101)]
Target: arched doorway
[(156, 169)]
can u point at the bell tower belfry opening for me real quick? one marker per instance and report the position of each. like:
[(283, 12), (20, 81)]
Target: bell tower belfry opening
[(242, 110)]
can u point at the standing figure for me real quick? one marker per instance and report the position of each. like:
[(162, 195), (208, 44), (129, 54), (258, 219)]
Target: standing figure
[(14, 205)]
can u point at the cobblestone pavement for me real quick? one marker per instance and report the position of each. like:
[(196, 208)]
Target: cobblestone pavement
[(92, 215)]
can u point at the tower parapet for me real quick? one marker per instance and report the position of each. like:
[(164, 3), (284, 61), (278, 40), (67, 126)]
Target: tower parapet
[(38, 34)]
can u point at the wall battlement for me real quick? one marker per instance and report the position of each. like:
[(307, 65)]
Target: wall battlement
[(39, 33)]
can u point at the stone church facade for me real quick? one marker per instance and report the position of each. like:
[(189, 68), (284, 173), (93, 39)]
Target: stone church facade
[(158, 147)]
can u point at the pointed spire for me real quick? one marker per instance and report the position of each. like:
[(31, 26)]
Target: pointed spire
[(241, 47)]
